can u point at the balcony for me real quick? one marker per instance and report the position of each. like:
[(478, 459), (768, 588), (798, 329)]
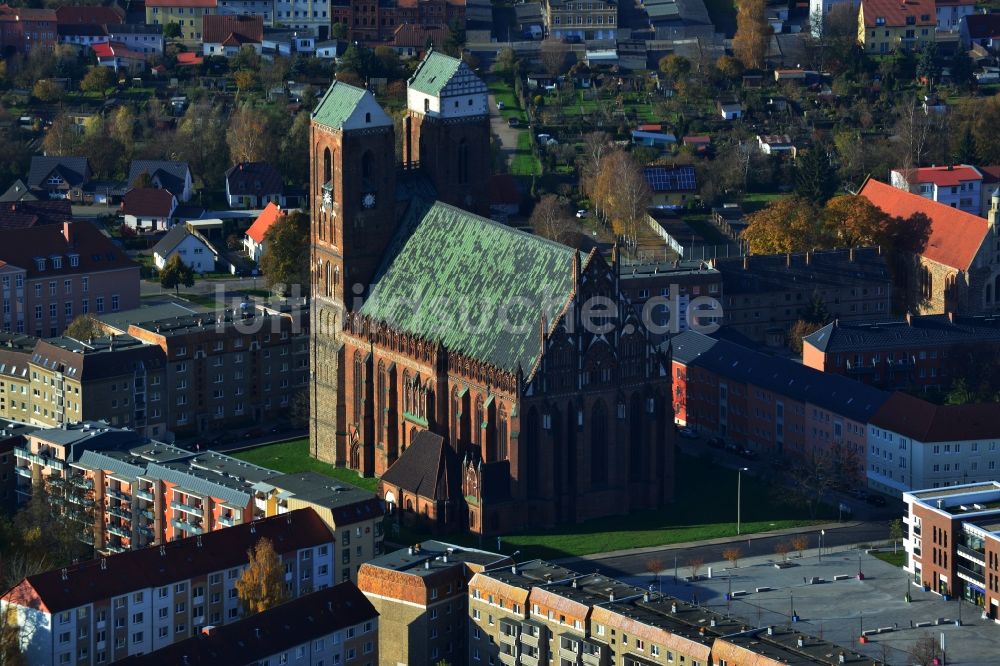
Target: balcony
[(23, 471), (117, 494), (120, 531), (228, 521), (508, 659), (507, 638), (81, 481), (187, 508), (120, 513), (144, 495), (971, 575), (187, 527), (44, 461), (529, 660), (530, 639), (977, 556)]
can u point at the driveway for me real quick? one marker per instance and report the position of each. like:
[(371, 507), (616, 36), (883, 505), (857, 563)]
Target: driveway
[(508, 135)]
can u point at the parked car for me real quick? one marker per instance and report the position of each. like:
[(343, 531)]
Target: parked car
[(582, 213), (500, 106), (512, 122), (687, 433), (732, 447)]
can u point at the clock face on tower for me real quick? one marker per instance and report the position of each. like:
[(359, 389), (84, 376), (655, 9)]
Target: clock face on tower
[(368, 200)]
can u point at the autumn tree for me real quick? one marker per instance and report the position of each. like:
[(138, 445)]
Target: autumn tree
[(122, 128), (248, 136), (84, 327), (854, 221), (62, 137), (732, 556), (176, 273), (752, 32), (781, 549), (550, 219), (800, 542), (896, 532), (172, 30), (623, 195), (286, 252), (262, 585), (98, 79), (729, 67), (654, 566), (695, 564), (789, 224), (200, 140), (799, 330), (926, 651), (675, 67), (47, 91), (553, 53), (245, 79)]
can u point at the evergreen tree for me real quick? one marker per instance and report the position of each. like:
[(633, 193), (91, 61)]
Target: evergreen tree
[(965, 151), (815, 177)]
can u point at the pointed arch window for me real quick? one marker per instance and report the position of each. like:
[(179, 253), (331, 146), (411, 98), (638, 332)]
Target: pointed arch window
[(502, 430), (463, 162), (359, 386)]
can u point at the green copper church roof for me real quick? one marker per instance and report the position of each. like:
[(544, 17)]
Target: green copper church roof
[(338, 104), (434, 73), (474, 285)]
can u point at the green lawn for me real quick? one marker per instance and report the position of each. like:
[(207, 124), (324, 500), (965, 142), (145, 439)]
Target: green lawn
[(524, 162), (204, 300), (294, 456), (897, 559)]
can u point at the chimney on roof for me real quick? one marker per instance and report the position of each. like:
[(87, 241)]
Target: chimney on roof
[(673, 607), (808, 258), (940, 504), (427, 564), (410, 550), (909, 319), (645, 596), (611, 597), (746, 261), (951, 317), (68, 233), (256, 632), (850, 255)]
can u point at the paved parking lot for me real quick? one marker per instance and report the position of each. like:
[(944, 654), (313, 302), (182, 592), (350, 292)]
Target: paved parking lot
[(839, 610)]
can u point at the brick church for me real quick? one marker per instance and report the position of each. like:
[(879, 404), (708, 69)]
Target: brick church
[(450, 354)]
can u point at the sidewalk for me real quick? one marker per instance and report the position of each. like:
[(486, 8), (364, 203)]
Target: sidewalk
[(708, 542)]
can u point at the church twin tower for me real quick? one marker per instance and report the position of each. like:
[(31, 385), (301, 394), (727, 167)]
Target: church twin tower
[(361, 191)]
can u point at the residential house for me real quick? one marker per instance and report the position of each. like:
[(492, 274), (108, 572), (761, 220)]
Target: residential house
[(818, 10), (18, 191), (958, 186), (910, 353), (951, 12), (264, 9), (913, 443), (119, 57), (12, 435), (886, 26), (764, 295), (281, 41), (772, 405), (411, 40), (980, 30), (316, 17), (776, 144), (376, 24), (327, 50), (59, 177), (68, 270), (698, 143), (958, 269), (82, 35), (332, 626), (228, 35), (253, 185), (585, 21), (194, 250), (138, 38), (953, 545), (188, 14), (730, 110), (653, 139), (148, 209), (672, 187), (175, 177), (23, 29), (30, 212), (136, 602), (254, 241), (422, 597)]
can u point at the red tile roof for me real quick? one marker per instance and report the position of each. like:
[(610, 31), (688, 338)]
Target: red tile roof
[(178, 560), (895, 13), (701, 139), (947, 176), (148, 202), (95, 15), (26, 14), (188, 58), (96, 251), (926, 422), (267, 217), (234, 29), (418, 36), (991, 174), (955, 236)]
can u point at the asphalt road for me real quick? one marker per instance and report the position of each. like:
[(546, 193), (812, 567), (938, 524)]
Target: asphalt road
[(634, 564)]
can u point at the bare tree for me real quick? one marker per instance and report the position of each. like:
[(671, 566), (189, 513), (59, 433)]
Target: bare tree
[(623, 195), (248, 136), (800, 542), (925, 650), (782, 549), (912, 128), (732, 555), (551, 220), (553, 54), (696, 563)]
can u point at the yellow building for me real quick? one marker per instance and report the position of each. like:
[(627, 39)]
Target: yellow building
[(885, 26), (188, 14)]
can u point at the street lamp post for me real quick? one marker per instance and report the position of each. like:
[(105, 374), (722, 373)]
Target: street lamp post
[(739, 495), (822, 533)]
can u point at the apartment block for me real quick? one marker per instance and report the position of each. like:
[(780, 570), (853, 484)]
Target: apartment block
[(772, 405), (133, 603), (586, 20), (913, 443), (422, 597), (887, 26), (764, 295), (55, 272), (12, 435), (333, 626), (953, 546), (538, 613), (15, 378), (187, 14), (668, 294), (910, 353), (375, 22), (225, 370)]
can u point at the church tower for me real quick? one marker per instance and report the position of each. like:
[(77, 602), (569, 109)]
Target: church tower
[(447, 131), (352, 173)]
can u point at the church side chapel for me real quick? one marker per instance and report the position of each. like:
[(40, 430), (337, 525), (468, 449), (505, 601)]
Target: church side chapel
[(450, 355)]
